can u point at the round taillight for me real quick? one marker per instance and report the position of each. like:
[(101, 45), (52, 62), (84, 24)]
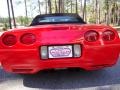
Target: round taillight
[(9, 40), (28, 38), (91, 36), (108, 35)]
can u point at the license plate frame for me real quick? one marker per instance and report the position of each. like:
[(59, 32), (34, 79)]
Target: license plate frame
[(60, 51)]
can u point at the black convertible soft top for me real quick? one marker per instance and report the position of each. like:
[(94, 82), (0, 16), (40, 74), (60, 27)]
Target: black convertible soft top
[(57, 18)]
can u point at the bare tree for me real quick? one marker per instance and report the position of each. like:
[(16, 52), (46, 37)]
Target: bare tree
[(107, 12), (118, 15), (96, 11), (39, 6), (12, 9), (118, 22), (84, 10), (8, 6), (26, 11), (61, 6), (81, 8), (115, 11), (46, 6), (99, 12), (71, 6), (56, 8), (76, 6), (49, 6)]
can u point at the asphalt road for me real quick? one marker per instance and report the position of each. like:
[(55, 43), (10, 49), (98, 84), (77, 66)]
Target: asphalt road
[(62, 79)]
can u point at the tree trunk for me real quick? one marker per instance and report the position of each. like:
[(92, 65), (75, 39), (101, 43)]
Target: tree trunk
[(39, 6), (76, 6), (8, 6), (61, 6), (14, 22), (118, 15), (26, 12), (56, 8), (99, 14), (81, 8), (71, 6), (116, 12), (96, 11), (107, 13), (49, 6), (46, 7), (84, 11)]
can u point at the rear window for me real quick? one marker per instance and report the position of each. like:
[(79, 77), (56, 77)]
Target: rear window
[(57, 19)]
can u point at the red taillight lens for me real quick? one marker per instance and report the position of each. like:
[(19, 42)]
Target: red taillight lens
[(9, 40), (28, 38), (108, 35), (91, 36)]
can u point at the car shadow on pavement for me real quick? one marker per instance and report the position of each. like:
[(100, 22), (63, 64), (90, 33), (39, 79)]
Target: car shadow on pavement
[(73, 79)]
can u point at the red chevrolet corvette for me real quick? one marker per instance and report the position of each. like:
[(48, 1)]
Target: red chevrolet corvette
[(58, 41)]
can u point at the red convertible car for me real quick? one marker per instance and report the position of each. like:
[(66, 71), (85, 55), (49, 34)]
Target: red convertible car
[(58, 41)]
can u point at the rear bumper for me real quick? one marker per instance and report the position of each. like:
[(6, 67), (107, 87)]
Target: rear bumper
[(31, 68), (28, 60)]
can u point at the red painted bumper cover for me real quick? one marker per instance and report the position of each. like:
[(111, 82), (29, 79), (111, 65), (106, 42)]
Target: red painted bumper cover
[(28, 61)]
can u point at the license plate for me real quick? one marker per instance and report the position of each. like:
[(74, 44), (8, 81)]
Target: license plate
[(60, 51)]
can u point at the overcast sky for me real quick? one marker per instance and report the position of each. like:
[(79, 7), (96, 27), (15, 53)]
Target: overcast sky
[(19, 10), (3, 8)]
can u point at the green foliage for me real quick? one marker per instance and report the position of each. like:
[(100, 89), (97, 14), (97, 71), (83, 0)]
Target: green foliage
[(92, 20), (22, 20), (4, 20), (4, 23)]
